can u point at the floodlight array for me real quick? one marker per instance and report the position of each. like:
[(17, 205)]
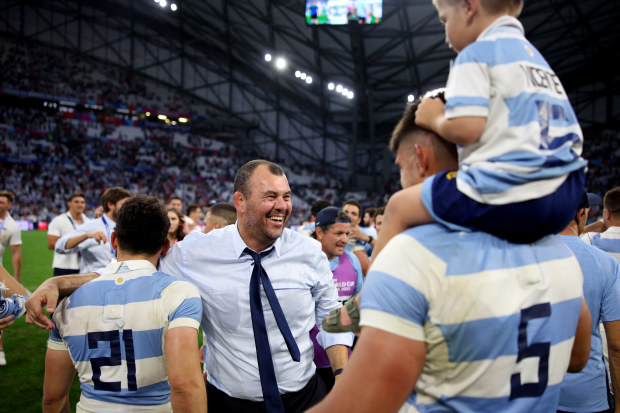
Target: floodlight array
[(164, 3), (281, 64)]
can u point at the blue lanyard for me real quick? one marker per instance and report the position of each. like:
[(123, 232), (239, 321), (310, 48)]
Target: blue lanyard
[(2, 224), (71, 221), (107, 232)]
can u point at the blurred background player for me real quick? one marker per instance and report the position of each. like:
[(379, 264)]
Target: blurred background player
[(10, 234), (219, 215), (194, 213), (176, 231), (307, 227), (92, 239), (62, 224), (609, 239)]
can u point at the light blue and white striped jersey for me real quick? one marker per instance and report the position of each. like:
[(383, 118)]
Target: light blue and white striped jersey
[(498, 319), (532, 139), (586, 391), (114, 329), (608, 241)]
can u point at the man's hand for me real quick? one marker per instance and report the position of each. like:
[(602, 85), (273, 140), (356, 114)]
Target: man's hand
[(44, 296), (7, 321), (98, 236)]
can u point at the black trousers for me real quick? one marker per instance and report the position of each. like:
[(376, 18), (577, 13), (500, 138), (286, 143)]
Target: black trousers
[(294, 402), (64, 271)]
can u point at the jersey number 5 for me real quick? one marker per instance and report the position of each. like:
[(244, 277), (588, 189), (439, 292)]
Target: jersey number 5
[(113, 337), (540, 350)]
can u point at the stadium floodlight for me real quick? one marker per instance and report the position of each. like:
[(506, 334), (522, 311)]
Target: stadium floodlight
[(410, 98), (297, 73), (303, 76), (183, 120), (350, 94), (162, 117), (339, 88), (280, 63), (268, 57), (308, 80), (345, 91), (148, 113), (173, 7), (163, 3), (330, 86)]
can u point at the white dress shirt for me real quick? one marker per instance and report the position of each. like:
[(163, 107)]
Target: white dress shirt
[(95, 256), (61, 225), (300, 274)]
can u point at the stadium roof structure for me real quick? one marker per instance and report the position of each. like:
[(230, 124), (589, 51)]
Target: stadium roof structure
[(215, 51)]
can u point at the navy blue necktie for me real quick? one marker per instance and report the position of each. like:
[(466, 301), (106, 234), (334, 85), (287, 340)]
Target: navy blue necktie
[(268, 381)]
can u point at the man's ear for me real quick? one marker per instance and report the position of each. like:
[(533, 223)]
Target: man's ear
[(217, 225), (165, 248), (471, 8), (239, 201), (606, 214), (421, 161), (319, 233), (114, 241)]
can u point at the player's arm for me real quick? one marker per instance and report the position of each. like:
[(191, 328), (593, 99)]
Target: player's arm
[(16, 259), (46, 296), (187, 386), (11, 283), (97, 236), (581, 346), (461, 131), (362, 257), (612, 331), (387, 380), (59, 373), (51, 241)]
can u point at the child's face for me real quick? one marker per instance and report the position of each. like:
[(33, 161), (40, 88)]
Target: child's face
[(454, 18)]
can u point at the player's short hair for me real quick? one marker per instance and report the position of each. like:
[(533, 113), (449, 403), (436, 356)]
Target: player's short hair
[(173, 198), (354, 202), (318, 205), (224, 213), (191, 208), (76, 195), (244, 174), (512, 7), (407, 125), (379, 211), (9, 195), (611, 202), (142, 225), (113, 195)]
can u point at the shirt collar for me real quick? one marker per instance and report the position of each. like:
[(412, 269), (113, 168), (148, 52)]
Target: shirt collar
[(502, 21), (239, 245), (108, 219), (113, 267)]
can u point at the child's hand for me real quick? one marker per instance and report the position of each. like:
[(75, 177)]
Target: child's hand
[(428, 111)]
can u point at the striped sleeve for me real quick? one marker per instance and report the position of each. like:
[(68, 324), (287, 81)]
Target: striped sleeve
[(182, 303)]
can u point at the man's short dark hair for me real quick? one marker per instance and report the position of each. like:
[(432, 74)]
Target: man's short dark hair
[(76, 195), (113, 195), (224, 212), (406, 124), (173, 198), (9, 195), (191, 208), (142, 225), (318, 205), (355, 202), (379, 211), (242, 179), (611, 202)]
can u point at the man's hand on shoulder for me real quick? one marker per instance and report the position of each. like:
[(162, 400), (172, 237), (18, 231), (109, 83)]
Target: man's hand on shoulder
[(46, 296)]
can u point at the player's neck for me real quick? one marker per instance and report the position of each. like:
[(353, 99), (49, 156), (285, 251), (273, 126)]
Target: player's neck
[(4, 215), (77, 216), (125, 256)]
